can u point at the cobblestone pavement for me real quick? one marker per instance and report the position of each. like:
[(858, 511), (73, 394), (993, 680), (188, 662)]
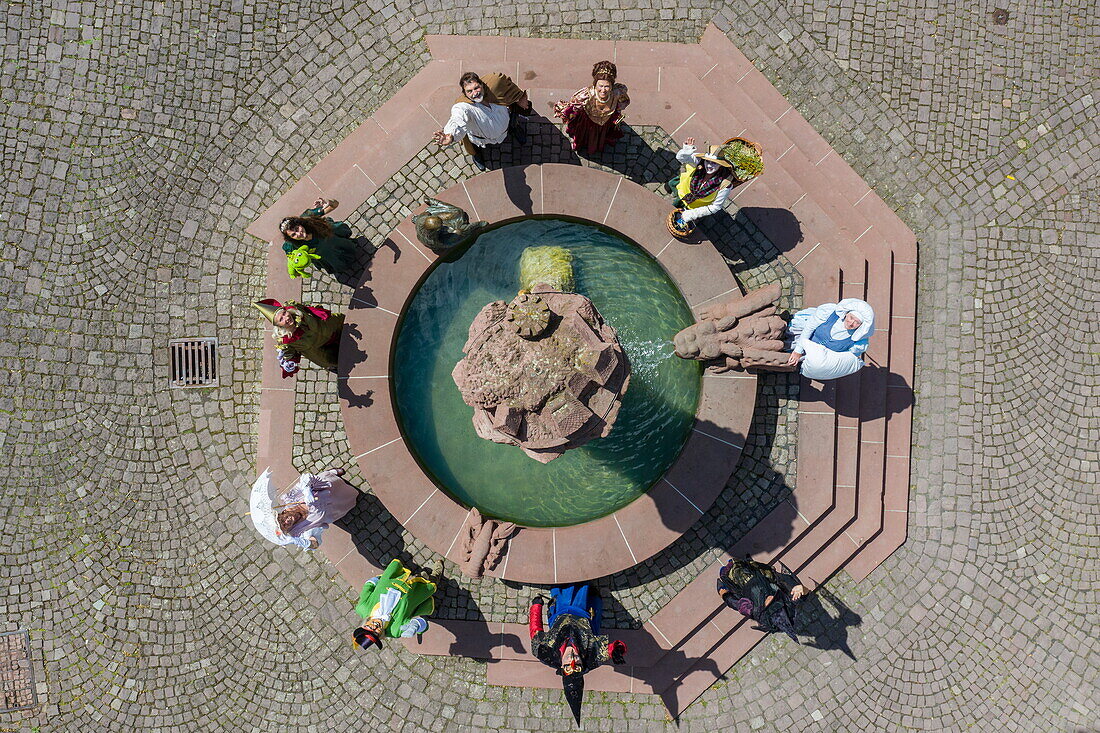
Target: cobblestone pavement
[(139, 140)]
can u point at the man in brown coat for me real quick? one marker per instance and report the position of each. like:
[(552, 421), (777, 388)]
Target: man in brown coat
[(484, 115)]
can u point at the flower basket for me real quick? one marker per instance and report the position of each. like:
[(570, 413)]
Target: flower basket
[(745, 156), (676, 231)]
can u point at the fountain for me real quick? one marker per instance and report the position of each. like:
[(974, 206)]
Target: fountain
[(622, 314)]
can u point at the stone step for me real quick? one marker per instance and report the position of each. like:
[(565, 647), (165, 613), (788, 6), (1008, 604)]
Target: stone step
[(688, 682), (730, 82), (849, 183), (721, 103), (532, 673), (897, 450)]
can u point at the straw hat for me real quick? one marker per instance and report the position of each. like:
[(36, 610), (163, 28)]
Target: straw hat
[(713, 156)]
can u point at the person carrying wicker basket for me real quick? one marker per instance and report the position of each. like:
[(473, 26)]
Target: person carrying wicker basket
[(706, 179)]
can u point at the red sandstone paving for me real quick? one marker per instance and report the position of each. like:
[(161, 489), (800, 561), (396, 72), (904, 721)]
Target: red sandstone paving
[(904, 295), (568, 190), (365, 347), (869, 497), (483, 49), (726, 406), (770, 537), (437, 521), (901, 352), (599, 547), (783, 524), (514, 673), (825, 286), (704, 466), (531, 556), (656, 55), (353, 186), (640, 215), (698, 269), (896, 495), (815, 467), (504, 194), (395, 478), (655, 520), (403, 109), (328, 171), (833, 553), (552, 51), (337, 544), (368, 425)]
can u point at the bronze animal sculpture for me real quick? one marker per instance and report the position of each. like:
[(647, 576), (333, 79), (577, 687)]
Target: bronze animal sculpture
[(444, 225), (739, 332)]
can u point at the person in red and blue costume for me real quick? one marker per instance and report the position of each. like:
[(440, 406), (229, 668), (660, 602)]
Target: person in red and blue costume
[(572, 644)]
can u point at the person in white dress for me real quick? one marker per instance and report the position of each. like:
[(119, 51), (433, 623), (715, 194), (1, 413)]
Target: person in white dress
[(314, 503)]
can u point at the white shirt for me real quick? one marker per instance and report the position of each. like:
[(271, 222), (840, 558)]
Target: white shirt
[(816, 317), (485, 124)]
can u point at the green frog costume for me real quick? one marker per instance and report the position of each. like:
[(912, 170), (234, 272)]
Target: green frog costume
[(399, 599)]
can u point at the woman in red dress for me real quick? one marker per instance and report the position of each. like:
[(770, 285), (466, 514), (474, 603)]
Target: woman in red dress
[(592, 115)]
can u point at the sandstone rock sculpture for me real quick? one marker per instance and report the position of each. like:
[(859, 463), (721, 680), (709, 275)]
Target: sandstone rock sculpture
[(739, 332), (482, 543), (544, 372)]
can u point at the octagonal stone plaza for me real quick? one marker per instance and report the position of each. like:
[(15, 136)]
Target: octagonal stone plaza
[(849, 507), (142, 139)]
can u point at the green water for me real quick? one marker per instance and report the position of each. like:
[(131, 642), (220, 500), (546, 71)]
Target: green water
[(632, 293)]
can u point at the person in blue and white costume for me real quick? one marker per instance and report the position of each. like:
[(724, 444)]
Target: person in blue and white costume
[(830, 339)]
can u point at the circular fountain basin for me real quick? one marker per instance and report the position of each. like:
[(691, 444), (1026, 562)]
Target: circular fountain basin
[(383, 446), (633, 294)]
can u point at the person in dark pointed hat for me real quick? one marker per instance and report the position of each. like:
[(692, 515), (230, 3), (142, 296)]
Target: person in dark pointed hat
[(768, 597), (572, 644), (302, 330)]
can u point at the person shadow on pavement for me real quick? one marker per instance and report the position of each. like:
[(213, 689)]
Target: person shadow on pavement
[(823, 616)]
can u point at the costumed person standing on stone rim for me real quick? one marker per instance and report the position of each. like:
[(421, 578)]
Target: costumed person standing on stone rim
[(768, 597), (572, 645), (302, 330), (395, 603), (830, 340), (703, 186), (485, 114), (316, 239)]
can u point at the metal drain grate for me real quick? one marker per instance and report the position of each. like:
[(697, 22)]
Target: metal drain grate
[(194, 362), (16, 675)]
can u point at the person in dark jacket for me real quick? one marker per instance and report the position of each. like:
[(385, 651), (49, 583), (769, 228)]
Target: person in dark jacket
[(756, 590), (572, 645)]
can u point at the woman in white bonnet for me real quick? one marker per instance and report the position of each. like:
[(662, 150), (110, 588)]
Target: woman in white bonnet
[(831, 338)]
